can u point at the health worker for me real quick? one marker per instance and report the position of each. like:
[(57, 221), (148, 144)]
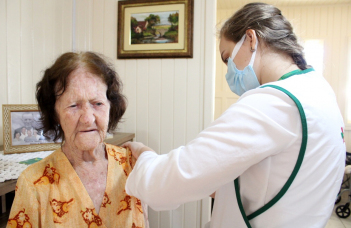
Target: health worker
[(276, 157)]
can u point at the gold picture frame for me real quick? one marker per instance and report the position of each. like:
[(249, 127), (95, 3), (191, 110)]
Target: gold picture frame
[(21, 130), (155, 29)]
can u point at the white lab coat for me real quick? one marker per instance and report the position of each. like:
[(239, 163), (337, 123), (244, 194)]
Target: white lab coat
[(258, 138)]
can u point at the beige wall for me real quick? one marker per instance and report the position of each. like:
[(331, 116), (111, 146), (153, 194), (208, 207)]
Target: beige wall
[(169, 100), (32, 34), (330, 23)]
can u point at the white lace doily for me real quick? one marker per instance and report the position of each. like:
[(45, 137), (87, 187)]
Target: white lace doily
[(10, 168)]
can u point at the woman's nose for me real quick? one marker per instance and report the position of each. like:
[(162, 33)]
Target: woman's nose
[(87, 116)]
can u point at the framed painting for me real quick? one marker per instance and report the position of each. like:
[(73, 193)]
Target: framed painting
[(22, 130), (155, 29)]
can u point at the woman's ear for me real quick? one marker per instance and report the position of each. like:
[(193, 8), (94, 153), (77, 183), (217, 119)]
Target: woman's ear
[(251, 34)]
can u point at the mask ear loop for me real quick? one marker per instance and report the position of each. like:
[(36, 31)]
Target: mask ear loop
[(254, 52), (237, 47)]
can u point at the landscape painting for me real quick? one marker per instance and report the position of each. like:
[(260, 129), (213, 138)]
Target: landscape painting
[(155, 27)]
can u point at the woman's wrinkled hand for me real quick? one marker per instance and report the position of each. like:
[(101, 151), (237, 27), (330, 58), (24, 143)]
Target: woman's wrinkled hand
[(137, 148)]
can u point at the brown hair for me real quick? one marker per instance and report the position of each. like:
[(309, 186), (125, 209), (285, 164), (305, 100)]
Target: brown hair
[(54, 83), (270, 26)]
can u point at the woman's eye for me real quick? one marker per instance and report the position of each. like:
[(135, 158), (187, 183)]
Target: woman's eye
[(99, 103), (73, 106)]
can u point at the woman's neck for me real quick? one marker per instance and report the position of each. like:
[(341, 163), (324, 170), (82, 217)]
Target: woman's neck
[(82, 157), (274, 65)]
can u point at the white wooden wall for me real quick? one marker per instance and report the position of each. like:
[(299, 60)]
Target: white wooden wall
[(32, 34), (332, 23), (169, 100)]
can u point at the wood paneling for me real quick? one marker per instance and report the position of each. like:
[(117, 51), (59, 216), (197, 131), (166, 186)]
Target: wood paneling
[(84, 14), (3, 60), (98, 25), (13, 51), (38, 42), (26, 57), (32, 34), (110, 29)]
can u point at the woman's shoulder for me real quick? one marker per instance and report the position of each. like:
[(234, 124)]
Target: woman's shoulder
[(113, 149), (121, 155), (36, 169)]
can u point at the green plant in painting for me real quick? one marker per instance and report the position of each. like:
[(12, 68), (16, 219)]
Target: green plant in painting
[(173, 18), (152, 20), (133, 22), (172, 32), (134, 36), (172, 35)]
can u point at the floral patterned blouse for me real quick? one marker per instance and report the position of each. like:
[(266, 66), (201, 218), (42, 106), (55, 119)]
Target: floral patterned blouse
[(49, 193)]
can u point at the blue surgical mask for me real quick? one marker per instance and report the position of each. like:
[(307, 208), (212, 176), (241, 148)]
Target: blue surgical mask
[(241, 81)]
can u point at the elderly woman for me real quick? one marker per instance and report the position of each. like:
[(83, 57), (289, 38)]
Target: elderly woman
[(82, 183)]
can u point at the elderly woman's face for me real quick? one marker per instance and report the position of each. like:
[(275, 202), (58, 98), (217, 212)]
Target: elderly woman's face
[(83, 110)]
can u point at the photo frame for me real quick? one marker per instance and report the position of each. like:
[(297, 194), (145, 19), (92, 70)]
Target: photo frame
[(155, 29), (22, 130)]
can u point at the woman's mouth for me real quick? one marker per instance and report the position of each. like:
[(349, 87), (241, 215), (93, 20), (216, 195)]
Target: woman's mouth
[(87, 131)]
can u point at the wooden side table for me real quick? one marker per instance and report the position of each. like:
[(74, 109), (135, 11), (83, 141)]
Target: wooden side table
[(120, 138)]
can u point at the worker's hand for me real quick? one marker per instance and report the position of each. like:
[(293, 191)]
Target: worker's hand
[(137, 148)]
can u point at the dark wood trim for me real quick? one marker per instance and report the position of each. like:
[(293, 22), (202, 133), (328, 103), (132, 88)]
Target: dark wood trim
[(7, 186), (120, 138)]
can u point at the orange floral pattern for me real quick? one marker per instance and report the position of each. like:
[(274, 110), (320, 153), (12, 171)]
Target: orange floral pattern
[(49, 176), (139, 206), (21, 220), (124, 205), (131, 160), (120, 158), (60, 208), (134, 226), (91, 218), (53, 184), (106, 200)]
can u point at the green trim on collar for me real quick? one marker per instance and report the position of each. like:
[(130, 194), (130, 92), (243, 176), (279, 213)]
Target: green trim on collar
[(294, 172), (295, 72)]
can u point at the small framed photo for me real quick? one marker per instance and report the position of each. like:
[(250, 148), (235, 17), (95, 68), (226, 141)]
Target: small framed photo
[(22, 130), (155, 29)]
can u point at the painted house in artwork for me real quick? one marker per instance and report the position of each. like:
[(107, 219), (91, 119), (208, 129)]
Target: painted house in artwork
[(142, 25)]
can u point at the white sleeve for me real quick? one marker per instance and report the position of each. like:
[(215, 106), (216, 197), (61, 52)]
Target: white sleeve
[(248, 132)]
